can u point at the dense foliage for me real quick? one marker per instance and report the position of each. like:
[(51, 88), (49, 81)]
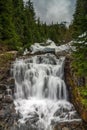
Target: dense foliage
[(19, 26), (80, 34), (7, 27), (80, 18), (80, 55)]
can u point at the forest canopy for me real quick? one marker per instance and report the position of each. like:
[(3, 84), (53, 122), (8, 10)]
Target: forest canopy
[(19, 26)]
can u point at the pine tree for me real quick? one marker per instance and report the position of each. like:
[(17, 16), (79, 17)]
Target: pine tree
[(7, 28), (80, 18), (19, 18), (29, 27), (80, 55), (80, 33)]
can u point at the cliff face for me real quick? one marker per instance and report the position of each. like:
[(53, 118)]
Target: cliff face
[(76, 85)]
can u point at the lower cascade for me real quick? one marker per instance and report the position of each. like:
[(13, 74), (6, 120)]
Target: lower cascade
[(41, 96)]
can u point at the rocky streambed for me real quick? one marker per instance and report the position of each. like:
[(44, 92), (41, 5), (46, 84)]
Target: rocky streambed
[(9, 118)]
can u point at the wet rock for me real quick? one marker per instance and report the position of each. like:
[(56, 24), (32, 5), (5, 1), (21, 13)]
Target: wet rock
[(74, 125), (8, 99), (19, 115), (11, 81), (3, 87), (34, 114), (2, 114), (8, 92), (0, 105), (14, 115), (33, 120), (65, 110), (12, 87), (58, 112), (49, 50), (1, 97), (63, 115), (66, 128), (42, 115)]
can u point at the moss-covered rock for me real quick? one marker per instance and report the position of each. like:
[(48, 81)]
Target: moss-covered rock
[(6, 102), (6, 59), (78, 94)]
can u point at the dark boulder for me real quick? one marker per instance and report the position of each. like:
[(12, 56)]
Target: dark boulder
[(8, 99)]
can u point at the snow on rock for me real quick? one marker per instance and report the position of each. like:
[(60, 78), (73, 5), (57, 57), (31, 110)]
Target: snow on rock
[(83, 35), (50, 46), (26, 52), (81, 39)]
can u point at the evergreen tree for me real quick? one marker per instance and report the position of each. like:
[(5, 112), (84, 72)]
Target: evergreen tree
[(7, 28), (80, 18), (80, 32), (30, 26), (19, 28), (80, 55), (19, 18)]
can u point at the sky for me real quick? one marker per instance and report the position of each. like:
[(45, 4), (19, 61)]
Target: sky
[(54, 10)]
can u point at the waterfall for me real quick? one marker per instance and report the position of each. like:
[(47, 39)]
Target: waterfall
[(41, 96)]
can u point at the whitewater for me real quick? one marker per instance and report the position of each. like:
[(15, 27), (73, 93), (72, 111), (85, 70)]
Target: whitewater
[(41, 96)]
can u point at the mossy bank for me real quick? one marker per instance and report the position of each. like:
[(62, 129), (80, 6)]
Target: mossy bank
[(77, 89)]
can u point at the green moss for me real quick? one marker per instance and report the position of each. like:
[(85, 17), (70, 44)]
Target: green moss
[(5, 60), (5, 57), (84, 102), (83, 95), (83, 91)]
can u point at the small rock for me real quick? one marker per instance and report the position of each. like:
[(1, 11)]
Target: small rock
[(10, 80), (8, 92), (42, 115), (1, 96), (65, 128), (2, 87), (8, 99), (19, 115), (58, 112), (0, 105), (2, 114)]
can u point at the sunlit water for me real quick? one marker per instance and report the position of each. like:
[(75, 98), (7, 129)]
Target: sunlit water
[(41, 96)]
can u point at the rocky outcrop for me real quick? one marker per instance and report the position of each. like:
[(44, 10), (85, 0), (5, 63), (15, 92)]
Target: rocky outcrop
[(69, 126), (73, 84), (6, 59), (8, 115)]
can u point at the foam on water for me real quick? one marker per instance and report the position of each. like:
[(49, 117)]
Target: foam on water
[(41, 96)]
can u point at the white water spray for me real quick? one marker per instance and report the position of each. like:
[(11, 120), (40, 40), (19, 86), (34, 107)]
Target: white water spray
[(41, 94)]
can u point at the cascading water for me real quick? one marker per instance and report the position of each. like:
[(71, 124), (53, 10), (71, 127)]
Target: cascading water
[(41, 96)]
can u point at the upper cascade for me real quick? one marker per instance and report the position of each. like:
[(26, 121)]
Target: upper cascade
[(41, 77)]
